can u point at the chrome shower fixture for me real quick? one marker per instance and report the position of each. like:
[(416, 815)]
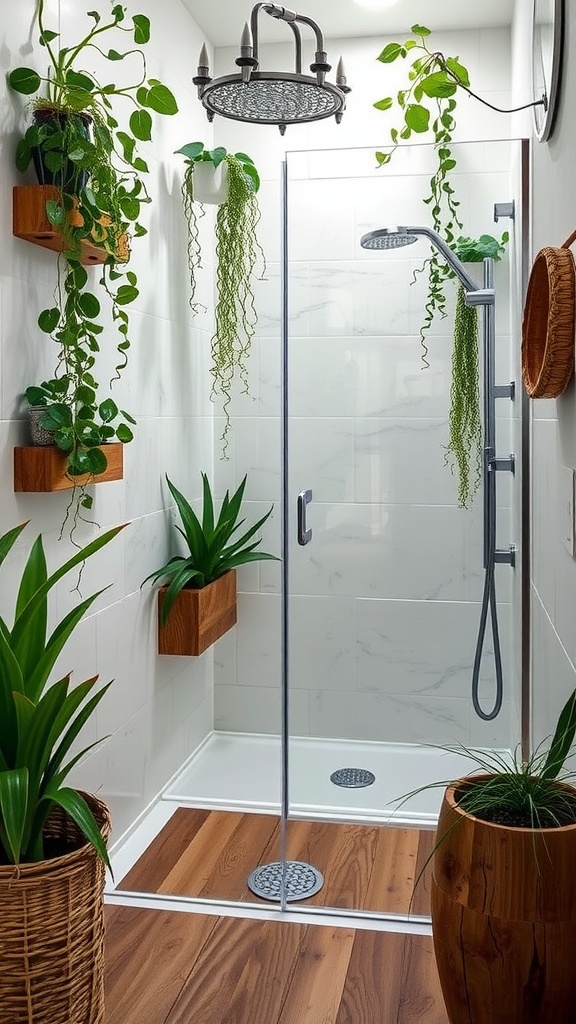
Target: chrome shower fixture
[(396, 237), (274, 97)]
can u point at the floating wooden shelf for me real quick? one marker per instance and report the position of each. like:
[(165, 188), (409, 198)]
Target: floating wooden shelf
[(198, 618), (43, 469), (29, 221)]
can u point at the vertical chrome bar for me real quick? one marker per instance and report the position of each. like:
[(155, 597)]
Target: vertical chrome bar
[(488, 331), (525, 557), (285, 707)]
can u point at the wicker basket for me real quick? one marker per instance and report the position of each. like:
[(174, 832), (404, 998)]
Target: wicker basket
[(549, 323), (52, 932)]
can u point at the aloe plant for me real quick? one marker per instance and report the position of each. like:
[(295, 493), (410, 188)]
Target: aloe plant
[(40, 721), (212, 549)]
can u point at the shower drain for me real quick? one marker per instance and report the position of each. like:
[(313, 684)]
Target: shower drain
[(352, 778), (300, 880)]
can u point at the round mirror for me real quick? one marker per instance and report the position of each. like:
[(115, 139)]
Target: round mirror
[(547, 24)]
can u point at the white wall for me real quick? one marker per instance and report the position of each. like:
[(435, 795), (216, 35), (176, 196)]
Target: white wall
[(553, 425), (158, 709), (342, 660)]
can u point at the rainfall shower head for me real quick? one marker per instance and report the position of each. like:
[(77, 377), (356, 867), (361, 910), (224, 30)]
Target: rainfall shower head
[(388, 238), (274, 97), (396, 238)]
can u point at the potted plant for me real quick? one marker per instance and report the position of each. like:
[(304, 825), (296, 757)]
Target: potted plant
[(237, 256), (94, 181), (52, 838), (198, 603), (464, 451), (504, 887)]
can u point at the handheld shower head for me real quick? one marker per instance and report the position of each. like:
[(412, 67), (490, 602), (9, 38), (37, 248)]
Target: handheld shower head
[(396, 237)]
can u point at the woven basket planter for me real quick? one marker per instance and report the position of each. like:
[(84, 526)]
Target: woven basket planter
[(548, 323), (52, 932)]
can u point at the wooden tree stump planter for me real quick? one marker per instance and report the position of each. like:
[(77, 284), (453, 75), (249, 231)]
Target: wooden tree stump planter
[(198, 618), (504, 920), (42, 468)]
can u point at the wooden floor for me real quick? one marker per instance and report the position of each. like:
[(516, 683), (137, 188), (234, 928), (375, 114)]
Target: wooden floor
[(211, 853), (178, 968)]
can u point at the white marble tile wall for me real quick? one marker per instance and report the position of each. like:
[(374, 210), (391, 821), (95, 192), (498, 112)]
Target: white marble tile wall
[(158, 709), (367, 427)]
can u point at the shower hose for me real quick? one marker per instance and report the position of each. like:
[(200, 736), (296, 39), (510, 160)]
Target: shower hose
[(488, 602)]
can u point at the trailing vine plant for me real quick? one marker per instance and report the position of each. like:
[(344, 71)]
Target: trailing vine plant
[(77, 146), (238, 256), (464, 451), (435, 78)]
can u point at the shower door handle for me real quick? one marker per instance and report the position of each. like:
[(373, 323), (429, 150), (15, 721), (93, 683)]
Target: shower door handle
[(304, 534)]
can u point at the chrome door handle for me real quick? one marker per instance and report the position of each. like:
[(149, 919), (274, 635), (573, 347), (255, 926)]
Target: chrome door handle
[(304, 534)]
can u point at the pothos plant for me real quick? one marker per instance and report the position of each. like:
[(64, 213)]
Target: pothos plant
[(464, 451), (428, 105), (238, 254), (78, 146)]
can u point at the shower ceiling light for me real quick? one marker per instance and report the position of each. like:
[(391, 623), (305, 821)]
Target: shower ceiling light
[(274, 97)]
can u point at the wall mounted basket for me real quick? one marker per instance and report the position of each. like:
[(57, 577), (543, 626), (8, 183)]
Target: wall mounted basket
[(549, 322)]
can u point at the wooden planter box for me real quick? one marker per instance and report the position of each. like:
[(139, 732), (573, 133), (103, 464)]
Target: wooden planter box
[(42, 468), (198, 617), (29, 221)]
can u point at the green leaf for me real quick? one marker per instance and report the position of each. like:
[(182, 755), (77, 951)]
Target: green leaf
[(390, 53), (439, 85), (7, 540), (562, 740), (191, 150), (93, 14), (126, 294), (33, 577), (47, 36), (417, 117), (382, 158), (49, 320), (14, 807), (108, 410), (458, 70), (55, 212), (130, 208), (420, 30), (128, 144), (24, 80), (384, 104), (115, 55), (141, 125), (161, 100), (141, 29), (78, 809), (88, 304), (23, 155), (80, 82), (124, 434)]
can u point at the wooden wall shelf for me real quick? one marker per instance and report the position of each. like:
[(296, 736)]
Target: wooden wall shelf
[(198, 617), (29, 221), (42, 469)]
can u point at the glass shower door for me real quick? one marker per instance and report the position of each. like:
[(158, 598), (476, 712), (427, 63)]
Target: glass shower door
[(384, 569)]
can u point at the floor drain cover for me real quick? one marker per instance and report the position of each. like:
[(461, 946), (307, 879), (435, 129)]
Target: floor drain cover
[(300, 879), (352, 778)]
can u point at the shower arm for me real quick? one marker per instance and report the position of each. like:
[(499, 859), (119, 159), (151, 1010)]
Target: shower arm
[(320, 66), (475, 296)]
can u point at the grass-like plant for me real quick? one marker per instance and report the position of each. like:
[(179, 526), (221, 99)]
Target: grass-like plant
[(212, 547), (238, 255), (522, 793), (40, 721)]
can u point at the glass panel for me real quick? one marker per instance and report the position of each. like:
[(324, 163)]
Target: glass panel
[(385, 596)]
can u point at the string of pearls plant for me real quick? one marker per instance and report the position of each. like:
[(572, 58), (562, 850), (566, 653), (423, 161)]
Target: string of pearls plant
[(239, 261)]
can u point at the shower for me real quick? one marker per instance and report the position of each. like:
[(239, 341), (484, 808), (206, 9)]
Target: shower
[(398, 237)]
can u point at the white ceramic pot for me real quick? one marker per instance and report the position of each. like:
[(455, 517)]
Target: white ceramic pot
[(210, 183)]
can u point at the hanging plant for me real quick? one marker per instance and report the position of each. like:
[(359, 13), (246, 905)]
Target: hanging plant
[(77, 146), (238, 254), (436, 78), (464, 451)]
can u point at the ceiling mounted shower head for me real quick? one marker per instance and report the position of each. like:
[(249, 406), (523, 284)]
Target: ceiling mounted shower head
[(388, 238), (274, 97)]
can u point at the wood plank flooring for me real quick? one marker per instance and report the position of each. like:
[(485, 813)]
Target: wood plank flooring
[(178, 968), (211, 853)]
